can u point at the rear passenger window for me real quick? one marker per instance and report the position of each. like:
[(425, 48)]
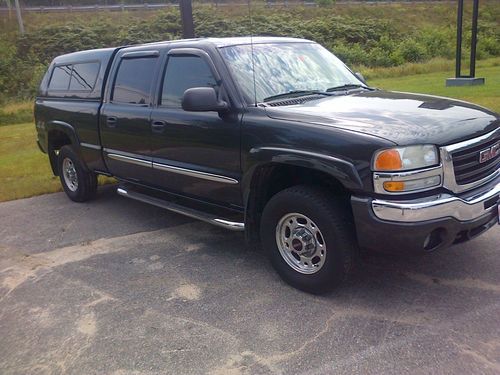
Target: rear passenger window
[(182, 73), (60, 77), (84, 76), (133, 80)]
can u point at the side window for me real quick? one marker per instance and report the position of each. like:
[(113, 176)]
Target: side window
[(60, 78), (84, 76), (182, 73), (133, 80)]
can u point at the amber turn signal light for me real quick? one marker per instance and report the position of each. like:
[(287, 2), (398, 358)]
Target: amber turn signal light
[(394, 186), (388, 160)]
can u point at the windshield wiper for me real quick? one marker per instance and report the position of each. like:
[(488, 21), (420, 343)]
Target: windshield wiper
[(295, 94), (348, 86)]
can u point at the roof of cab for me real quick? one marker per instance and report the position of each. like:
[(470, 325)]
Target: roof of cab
[(233, 41), (106, 53)]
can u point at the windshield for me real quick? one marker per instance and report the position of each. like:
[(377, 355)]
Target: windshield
[(281, 68)]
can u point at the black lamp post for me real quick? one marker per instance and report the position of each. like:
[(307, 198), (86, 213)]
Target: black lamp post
[(461, 79)]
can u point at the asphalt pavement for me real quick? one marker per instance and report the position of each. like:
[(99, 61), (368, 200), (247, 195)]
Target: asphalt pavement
[(114, 286)]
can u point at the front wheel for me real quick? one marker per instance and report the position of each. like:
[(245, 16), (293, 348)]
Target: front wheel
[(78, 183), (308, 234)]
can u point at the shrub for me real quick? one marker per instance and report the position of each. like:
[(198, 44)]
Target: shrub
[(488, 46), (380, 57), (409, 50), (353, 54), (438, 43)]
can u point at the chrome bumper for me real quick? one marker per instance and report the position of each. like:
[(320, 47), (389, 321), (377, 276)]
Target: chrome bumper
[(438, 206)]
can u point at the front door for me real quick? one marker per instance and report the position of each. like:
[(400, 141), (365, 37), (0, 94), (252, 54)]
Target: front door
[(194, 153), (125, 118)]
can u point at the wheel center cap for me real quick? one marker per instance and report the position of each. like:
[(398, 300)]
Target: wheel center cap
[(297, 244), (303, 241)]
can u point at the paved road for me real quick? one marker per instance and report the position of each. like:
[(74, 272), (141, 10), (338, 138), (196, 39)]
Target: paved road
[(118, 287)]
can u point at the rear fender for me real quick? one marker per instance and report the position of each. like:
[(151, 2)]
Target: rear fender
[(70, 132)]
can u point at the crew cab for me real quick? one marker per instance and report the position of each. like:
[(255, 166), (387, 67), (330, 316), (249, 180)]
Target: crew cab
[(278, 138)]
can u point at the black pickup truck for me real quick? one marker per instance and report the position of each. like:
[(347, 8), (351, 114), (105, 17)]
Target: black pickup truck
[(278, 138)]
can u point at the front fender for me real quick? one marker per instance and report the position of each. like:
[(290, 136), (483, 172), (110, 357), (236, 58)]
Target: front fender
[(341, 169)]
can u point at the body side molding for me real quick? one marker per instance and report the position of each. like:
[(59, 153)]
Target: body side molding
[(193, 173), (137, 160), (91, 146)]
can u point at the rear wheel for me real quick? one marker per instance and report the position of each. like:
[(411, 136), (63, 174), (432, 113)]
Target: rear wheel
[(309, 237), (78, 183)]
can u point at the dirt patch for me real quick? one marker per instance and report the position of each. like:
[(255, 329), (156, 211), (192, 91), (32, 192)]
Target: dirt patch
[(17, 267), (87, 324), (188, 292)]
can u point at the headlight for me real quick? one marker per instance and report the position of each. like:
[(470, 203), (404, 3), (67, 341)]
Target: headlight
[(407, 169), (405, 158)]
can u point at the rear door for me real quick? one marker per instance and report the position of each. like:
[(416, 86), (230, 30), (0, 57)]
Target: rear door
[(195, 153), (126, 115)]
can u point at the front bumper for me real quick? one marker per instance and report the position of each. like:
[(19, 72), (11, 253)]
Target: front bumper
[(438, 206), (428, 223)]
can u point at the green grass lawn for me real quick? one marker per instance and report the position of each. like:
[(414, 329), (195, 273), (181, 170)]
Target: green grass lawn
[(25, 171), (487, 95)]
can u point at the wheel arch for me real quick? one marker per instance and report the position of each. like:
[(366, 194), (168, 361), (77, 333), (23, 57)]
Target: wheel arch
[(60, 134), (283, 169)]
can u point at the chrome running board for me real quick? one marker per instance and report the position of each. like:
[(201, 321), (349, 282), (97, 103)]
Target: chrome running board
[(224, 223)]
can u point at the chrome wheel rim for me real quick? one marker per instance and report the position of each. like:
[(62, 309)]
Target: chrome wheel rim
[(69, 174), (301, 243)]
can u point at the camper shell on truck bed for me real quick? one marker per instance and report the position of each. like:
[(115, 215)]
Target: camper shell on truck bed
[(68, 104)]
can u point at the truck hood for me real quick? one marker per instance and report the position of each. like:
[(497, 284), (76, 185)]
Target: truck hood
[(402, 118)]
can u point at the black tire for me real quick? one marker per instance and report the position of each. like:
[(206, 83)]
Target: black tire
[(86, 185), (332, 217)]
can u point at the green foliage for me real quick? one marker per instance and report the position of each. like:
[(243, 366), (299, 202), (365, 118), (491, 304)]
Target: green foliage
[(488, 46), (16, 117), (437, 41), (410, 50), (325, 3), (380, 36)]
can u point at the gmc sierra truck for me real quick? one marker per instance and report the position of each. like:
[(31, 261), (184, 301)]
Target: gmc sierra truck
[(278, 138)]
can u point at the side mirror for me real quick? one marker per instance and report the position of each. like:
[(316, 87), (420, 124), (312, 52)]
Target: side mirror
[(202, 99), (360, 77)]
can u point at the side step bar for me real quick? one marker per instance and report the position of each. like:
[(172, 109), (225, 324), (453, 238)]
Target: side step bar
[(231, 225)]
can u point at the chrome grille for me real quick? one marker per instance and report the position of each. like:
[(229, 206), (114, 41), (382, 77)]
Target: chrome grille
[(468, 168), (462, 169)]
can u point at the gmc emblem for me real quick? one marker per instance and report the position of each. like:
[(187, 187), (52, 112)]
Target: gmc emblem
[(489, 153)]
